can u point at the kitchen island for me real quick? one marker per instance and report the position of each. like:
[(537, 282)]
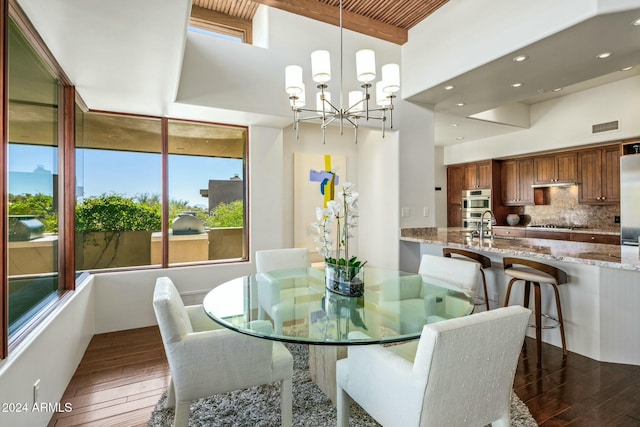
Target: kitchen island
[(601, 300)]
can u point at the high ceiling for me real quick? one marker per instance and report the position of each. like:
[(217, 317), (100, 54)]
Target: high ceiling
[(385, 19), (565, 60)]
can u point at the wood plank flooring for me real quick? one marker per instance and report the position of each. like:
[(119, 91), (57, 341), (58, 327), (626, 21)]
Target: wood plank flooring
[(123, 374)]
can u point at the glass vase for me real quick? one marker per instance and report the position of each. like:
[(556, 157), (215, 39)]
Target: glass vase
[(344, 280)]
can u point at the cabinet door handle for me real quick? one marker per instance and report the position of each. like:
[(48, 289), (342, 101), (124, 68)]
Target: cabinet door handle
[(593, 238)]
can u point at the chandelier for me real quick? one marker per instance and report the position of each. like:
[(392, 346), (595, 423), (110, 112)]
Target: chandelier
[(358, 107)]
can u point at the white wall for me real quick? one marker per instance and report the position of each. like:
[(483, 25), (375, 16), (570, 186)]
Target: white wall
[(51, 354)]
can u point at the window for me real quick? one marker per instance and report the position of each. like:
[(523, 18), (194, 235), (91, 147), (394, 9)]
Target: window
[(33, 202), (118, 191), (120, 199), (217, 24), (206, 192)]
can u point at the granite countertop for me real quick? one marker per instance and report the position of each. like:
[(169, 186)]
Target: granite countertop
[(564, 230), (612, 256)]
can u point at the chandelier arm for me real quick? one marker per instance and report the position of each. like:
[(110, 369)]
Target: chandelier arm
[(354, 123)]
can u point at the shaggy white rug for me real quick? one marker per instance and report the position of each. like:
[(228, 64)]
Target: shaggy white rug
[(260, 405)]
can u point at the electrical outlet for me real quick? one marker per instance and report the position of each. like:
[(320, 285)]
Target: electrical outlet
[(425, 211), (405, 212), (36, 391)]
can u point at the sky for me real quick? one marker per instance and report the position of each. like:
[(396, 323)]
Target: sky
[(125, 173)]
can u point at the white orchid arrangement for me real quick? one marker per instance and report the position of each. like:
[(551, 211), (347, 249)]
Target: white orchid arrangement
[(344, 213)]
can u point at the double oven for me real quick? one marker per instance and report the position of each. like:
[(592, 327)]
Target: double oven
[(474, 204)]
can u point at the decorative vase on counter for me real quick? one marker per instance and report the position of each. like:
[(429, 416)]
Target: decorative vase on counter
[(513, 219)]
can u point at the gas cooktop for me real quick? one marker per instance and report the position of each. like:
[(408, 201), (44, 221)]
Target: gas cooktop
[(557, 226)]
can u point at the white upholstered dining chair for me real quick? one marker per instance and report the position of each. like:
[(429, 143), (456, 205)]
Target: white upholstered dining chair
[(451, 273), (460, 373), (207, 359), (276, 291), (410, 296)]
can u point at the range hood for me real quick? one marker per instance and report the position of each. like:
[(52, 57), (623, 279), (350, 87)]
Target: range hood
[(554, 184)]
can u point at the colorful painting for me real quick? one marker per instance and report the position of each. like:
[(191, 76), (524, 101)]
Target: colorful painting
[(315, 177)]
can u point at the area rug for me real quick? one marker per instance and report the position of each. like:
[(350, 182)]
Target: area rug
[(260, 406)]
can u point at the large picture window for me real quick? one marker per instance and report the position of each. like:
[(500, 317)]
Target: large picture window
[(120, 198), (118, 190), (206, 192), (33, 199)]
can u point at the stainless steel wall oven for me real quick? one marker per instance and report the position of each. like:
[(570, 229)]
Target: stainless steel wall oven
[(474, 204)]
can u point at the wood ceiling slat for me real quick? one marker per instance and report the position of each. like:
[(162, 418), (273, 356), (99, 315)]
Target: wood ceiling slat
[(385, 19)]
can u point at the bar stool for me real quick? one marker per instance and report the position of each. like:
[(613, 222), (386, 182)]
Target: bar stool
[(533, 272), (484, 262)]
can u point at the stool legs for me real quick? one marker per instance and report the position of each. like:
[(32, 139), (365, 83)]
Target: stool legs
[(538, 312), (484, 285), (564, 343)]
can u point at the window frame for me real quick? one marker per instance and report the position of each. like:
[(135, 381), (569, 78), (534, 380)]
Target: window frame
[(217, 22), (68, 277)]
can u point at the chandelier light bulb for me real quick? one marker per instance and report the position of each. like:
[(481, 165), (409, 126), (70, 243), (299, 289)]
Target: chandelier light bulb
[(366, 65), (293, 80), (391, 78), (382, 97), (321, 66)]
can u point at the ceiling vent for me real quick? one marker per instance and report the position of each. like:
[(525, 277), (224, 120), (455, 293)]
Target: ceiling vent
[(604, 127)]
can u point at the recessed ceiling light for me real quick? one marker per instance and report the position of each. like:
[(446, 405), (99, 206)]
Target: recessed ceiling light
[(516, 84), (455, 125), (459, 138), (627, 68), (604, 55), (636, 22), (449, 87), (460, 104), (520, 58), (540, 91), (558, 89)]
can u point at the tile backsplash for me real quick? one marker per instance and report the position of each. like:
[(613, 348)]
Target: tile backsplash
[(563, 209)]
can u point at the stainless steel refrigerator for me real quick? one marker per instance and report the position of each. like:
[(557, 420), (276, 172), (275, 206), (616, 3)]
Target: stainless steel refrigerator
[(630, 199)]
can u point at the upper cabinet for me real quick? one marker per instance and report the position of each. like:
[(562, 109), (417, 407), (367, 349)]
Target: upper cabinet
[(455, 185), (599, 175), (477, 175), (555, 169), (517, 177)]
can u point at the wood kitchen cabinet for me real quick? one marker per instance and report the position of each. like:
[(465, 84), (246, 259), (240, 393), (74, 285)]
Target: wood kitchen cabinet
[(599, 175), (517, 177), (555, 169), (610, 239), (455, 185), (478, 175), (501, 231)]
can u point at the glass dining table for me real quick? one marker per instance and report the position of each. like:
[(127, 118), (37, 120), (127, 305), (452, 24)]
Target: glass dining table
[(296, 307)]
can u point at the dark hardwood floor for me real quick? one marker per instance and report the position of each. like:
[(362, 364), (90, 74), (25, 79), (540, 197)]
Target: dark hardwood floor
[(123, 374)]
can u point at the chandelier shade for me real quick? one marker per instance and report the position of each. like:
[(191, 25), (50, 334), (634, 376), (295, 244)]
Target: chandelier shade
[(358, 107), (321, 66), (366, 65)]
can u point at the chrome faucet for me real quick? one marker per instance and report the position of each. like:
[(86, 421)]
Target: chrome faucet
[(493, 221)]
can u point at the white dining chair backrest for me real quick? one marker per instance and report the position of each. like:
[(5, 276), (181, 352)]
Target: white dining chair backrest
[(450, 272), (281, 259)]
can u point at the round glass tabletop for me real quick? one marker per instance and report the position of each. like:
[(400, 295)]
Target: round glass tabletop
[(295, 306)]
